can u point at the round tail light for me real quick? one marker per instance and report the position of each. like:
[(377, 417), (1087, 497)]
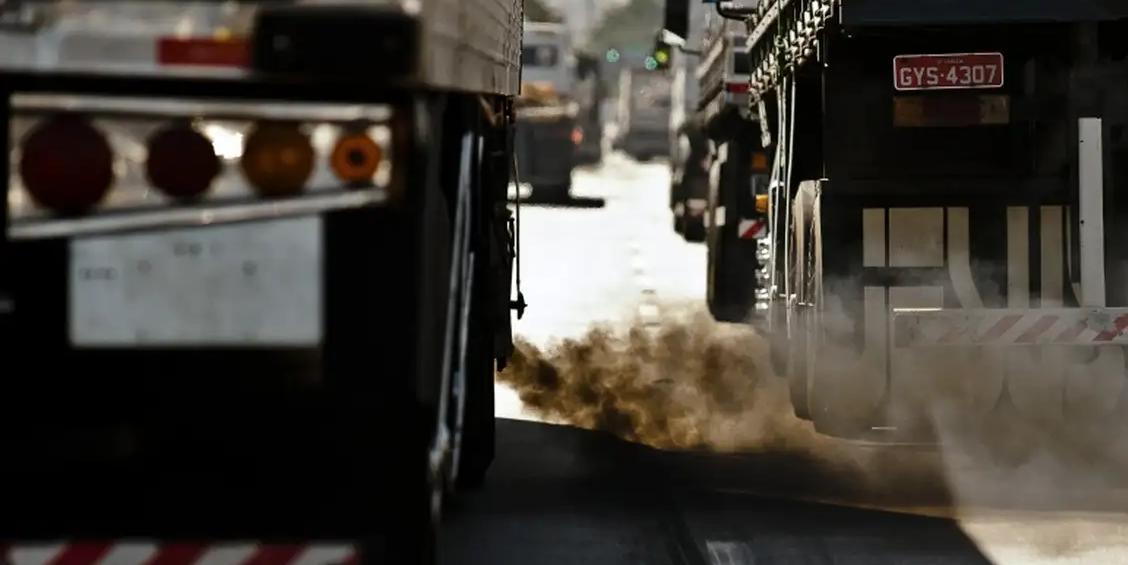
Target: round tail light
[(66, 165), (277, 159), (182, 162), (355, 158)]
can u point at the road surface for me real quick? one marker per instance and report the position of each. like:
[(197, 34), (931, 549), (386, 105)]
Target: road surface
[(559, 494)]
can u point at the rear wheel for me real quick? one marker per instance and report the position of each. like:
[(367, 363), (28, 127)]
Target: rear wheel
[(554, 192)]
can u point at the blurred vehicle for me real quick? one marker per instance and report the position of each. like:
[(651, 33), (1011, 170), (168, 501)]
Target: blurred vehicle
[(589, 121), (935, 242), (690, 151), (738, 174), (549, 122), (644, 114), (254, 272)]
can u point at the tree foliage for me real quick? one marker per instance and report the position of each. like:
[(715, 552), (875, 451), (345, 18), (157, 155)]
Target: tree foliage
[(536, 11), (629, 27)]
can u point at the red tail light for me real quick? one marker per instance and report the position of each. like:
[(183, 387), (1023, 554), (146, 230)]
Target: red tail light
[(182, 162), (737, 87), (66, 164), (577, 135)]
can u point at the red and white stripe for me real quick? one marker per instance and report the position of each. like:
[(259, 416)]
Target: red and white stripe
[(144, 553), (753, 229), (1078, 326)]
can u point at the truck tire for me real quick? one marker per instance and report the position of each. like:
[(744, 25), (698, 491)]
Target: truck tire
[(693, 229), (478, 425), (821, 391), (804, 245), (554, 192), (731, 262)]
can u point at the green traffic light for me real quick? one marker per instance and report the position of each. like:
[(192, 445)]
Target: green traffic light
[(651, 63), (613, 55)]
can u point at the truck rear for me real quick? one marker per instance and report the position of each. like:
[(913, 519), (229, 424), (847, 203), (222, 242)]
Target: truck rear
[(644, 113), (254, 275), (951, 189), (549, 129), (943, 177)]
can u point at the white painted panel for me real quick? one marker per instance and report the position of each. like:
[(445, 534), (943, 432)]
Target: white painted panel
[(1091, 173), (916, 237), (242, 284)]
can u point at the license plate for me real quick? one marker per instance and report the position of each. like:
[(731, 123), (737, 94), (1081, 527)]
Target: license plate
[(242, 284), (948, 72)]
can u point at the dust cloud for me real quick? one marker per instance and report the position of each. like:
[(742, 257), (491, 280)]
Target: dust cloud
[(704, 389), (687, 383)]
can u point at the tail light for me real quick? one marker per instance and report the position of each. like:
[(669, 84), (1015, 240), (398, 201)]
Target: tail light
[(759, 162), (762, 203), (182, 162), (577, 135), (66, 165), (278, 158), (356, 158), (83, 164), (737, 87)]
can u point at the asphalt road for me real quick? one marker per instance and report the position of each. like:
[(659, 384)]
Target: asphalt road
[(772, 491)]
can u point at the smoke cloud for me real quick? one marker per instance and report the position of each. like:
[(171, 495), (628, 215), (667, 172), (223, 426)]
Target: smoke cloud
[(692, 385)]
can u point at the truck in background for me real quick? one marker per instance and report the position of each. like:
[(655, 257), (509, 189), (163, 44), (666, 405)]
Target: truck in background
[(942, 177), (590, 93), (255, 264), (734, 208), (644, 114), (549, 129)]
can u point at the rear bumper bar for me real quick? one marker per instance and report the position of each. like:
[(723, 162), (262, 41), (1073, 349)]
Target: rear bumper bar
[(914, 328)]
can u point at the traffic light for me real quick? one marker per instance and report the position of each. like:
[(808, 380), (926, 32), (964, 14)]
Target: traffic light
[(660, 57)]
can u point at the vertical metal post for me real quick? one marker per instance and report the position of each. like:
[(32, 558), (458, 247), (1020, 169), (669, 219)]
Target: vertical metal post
[(1091, 199)]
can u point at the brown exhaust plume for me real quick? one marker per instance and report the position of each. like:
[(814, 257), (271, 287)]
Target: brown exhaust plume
[(688, 383)]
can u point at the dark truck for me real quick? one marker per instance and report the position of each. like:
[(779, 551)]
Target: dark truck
[(943, 174), (549, 129), (254, 275), (644, 113)]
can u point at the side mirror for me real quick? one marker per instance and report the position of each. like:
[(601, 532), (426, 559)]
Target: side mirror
[(677, 18)]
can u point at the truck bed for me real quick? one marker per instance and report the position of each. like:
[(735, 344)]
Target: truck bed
[(472, 45), (464, 45)]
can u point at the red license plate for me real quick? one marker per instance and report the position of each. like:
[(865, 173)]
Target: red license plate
[(947, 72)]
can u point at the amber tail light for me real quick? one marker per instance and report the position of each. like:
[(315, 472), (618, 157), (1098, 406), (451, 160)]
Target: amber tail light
[(278, 158)]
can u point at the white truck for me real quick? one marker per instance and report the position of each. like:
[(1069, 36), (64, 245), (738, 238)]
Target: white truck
[(255, 265)]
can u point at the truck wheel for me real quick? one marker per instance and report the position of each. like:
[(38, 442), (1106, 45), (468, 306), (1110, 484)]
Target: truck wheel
[(693, 229), (731, 261), (800, 328), (823, 391), (478, 425), (557, 192)]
